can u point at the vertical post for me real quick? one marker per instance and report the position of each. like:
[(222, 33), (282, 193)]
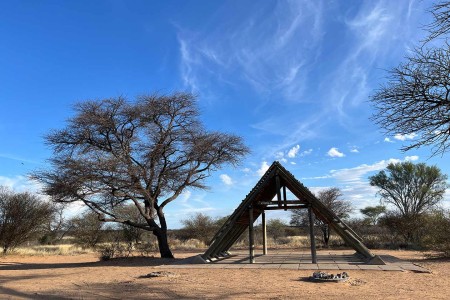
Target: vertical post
[(278, 187), (251, 242), (264, 232), (311, 235)]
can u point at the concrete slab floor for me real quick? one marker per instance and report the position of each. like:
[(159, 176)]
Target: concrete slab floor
[(301, 260)]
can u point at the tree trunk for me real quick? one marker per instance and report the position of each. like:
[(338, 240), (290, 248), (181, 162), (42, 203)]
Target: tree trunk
[(161, 234), (163, 244), (326, 235)]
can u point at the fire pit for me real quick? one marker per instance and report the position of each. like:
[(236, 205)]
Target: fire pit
[(325, 277)]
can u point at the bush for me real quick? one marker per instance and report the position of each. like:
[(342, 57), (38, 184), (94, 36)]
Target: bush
[(22, 218), (407, 231), (437, 233), (115, 247), (87, 230), (200, 227)]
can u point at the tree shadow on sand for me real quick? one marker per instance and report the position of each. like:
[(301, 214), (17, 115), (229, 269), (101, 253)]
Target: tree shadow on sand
[(115, 262)]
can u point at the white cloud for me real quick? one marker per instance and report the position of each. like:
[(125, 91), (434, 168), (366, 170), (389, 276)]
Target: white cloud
[(388, 140), (411, 158), (294, 151), (404, 137), (354, 150), (306, 152), (334, 152), (355, 174), (354, 182), (226, 179), (20, 184), (263, 169)]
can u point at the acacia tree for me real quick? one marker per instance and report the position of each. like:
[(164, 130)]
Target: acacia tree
[(415, 99), (412, 188), (331, 198), (114, 153), (22, 217), (373, 213)]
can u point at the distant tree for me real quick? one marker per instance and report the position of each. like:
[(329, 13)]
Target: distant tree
[(87, 229), (373, 213), (201, 227), (331, 198), (146, 153), (412, 188), (276, 228), (22, 217), (415, 100), (56, 227)]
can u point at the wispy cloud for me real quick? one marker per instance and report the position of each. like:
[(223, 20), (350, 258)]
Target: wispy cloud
[(306, 152), (267, 51), (353, 175), (17, 158), (354, 181), (267, 48), (377, 29), (189, 204)]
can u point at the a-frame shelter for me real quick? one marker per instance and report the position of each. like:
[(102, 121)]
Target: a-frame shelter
[(270, 193)]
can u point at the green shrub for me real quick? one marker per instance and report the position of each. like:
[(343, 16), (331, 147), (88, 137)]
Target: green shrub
[(437, 233)]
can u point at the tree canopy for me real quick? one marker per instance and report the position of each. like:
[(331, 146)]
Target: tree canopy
[(415, 100), (373, 213), (411, 188), (114, 153)]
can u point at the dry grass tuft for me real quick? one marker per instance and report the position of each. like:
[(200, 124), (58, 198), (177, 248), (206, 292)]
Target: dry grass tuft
[(43, 250)]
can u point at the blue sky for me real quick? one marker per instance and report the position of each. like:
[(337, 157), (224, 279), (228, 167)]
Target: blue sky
[(291, 77)]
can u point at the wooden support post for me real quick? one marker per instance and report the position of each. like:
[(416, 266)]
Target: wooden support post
[(311, 235), (264, 232), (251, 240), (285, 197), (278, 187)]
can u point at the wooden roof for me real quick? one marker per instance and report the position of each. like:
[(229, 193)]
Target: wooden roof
[(268, 194)]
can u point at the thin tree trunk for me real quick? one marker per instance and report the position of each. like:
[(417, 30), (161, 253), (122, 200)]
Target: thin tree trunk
[(326, 235)]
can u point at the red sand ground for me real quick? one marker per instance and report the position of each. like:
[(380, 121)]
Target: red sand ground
[(84, 277)]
